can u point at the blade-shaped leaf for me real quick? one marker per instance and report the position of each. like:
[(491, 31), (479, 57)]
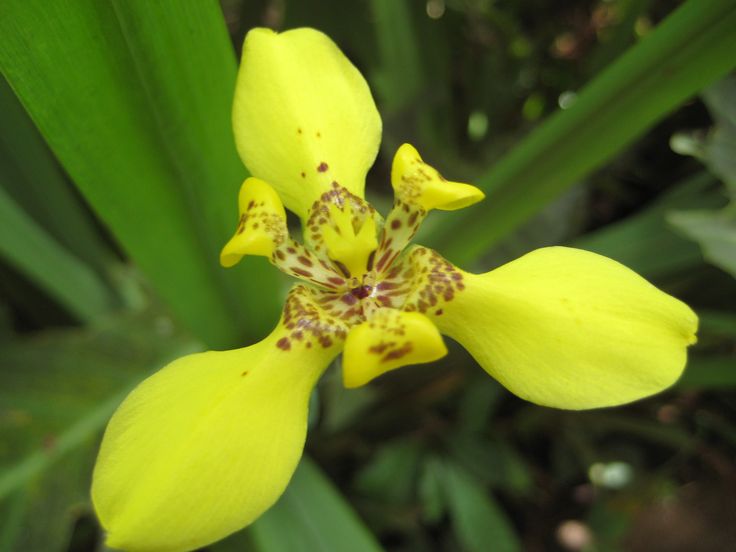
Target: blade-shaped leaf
[(645, 242), (25, 245), (57, 391), (311, 516), (34, 179), (134, 99), (686, 52), (478, 521)]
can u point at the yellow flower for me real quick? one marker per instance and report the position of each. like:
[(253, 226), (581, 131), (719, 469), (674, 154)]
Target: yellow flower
[(206, 445)]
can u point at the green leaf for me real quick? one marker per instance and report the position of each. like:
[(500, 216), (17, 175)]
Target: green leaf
[(717, 372), (41, 515), (391, 474), (311, 516), (479, 523), (715, 231), (134, 99), (26, 246), (31, 175), (645, 242), (686, 52), (400, 77), (57, 391)]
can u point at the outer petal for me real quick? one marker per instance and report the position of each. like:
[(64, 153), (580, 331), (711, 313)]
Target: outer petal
[(203, 447), (571, 329), (303, 116)]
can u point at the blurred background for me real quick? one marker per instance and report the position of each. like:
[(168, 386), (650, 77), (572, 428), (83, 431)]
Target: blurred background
[(603, 124)]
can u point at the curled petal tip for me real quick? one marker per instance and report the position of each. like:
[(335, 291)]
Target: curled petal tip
[(416, 182), (261, 224)]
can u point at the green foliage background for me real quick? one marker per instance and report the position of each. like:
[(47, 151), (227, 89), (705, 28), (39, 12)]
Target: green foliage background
[(118, 182)]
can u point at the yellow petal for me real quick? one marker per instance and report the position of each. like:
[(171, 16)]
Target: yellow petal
[(204, 446), (261, 226), (389, 340), (415, 182), (303, 116), (571, 329)]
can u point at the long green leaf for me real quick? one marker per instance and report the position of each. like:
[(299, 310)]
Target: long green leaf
[(57, 390), (479, 523), (68, 383), (716, 372), (311, 516), (134, 99), (25, 245), (34, 179), (645, 242), (686, 52)]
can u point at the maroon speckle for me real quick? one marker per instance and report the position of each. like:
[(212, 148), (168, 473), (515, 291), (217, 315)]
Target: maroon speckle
[(361, 292), (342, 268), (349, 298), (301, 272), (413, 218), (439, 312), (306, 262), (395, 224), (397, 353), (283, 344), (371, 258), (322, 167)]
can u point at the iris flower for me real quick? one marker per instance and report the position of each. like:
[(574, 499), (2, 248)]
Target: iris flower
[(206, 445)]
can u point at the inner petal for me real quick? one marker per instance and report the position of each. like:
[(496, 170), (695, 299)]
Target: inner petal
[(389, 340)]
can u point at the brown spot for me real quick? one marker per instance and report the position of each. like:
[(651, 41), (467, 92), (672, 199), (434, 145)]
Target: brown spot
[(301, 272), (395, 224), (342, 268), (413, 218), (397, 353), (283, 344), (438, 312), (381, 347), (322, 167), (349, 299), (384, 258), (306, 262), (335, 280), (371, 258), (244, 373), (304, 175), (384, 285), (361, 292), (299, 131), (319, 134)]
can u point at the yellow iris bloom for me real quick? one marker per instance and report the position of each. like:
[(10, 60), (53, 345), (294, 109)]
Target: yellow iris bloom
[(206, 445)]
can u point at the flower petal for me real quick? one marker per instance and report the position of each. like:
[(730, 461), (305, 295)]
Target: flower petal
[(303, 116), (203, 447), (389, 340), (571, 329), (415, 182), (261, 223)]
